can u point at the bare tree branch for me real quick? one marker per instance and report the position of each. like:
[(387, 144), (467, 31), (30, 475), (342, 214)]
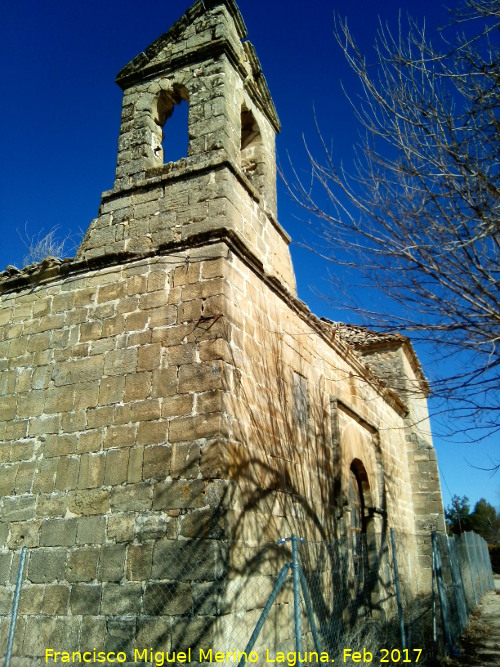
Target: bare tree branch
[(418, 218)]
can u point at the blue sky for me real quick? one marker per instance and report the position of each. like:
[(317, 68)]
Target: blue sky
[(60, 112)]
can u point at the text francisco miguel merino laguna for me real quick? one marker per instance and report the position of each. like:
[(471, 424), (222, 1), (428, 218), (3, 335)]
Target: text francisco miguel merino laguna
[(159, 658)]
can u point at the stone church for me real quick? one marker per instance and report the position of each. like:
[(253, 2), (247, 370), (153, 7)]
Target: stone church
[(169, 407)]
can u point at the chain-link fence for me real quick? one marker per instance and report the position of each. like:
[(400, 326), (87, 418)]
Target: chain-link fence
[(220, 601), (462, 573)]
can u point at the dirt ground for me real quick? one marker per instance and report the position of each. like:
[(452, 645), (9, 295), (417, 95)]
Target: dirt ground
[(481, 641)]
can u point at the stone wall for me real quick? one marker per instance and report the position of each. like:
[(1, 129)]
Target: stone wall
[(150, 421), (110, 401)]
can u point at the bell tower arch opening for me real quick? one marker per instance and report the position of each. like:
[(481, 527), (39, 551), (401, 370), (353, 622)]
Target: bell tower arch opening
[(252, 162), (171, 116)]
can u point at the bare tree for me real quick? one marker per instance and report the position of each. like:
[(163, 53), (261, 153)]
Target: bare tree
[(418, 216)]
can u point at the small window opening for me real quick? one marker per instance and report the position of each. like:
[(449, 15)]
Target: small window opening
[(172, 118), (356, 504), (300, 399), (251, 147)]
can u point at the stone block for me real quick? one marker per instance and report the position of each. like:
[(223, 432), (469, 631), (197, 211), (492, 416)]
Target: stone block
[(160, 318), (102, 345), (58, 633), (153, 300), (139, 560), (134, 473), (136, 285), (4, 533), (137, 386), (58, 399), (111, 292), (152, 432), (112, 562), (91, 530), (178, 355), (72, 421), (186, 560), (185, 460), (210, 401), (120, 634), (214, 268), (8, 480), (112, 326), (136, 321), (111, 390), (139, 338), (58, 532), (156, 281), (164, 382), (179, 494), (120, 436), (55, 600), (31, 599), (190, 311), (90, 441), (67, 473), (5, 563), (41, 377), (46, 565), (132, 497), (121, 528), (99, 417), (200, 377), (170, 599), (141, 410), (202, 524), (24, 477), (29, 405), (60, 445), (204, 289), (195, 427), (121, 599), (127, 305), (177, 406), (150, 526), (20, 508), (92, 468), (80, 370), (120, 362), (82, 564), (148, 358), (85, 599), (16, 430), (116, 467), (215, 349), (156, 463), (89, 502), (51, 504), (187, 274)]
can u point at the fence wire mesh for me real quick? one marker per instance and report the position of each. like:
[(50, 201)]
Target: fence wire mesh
[(209, 600), (462, 573)]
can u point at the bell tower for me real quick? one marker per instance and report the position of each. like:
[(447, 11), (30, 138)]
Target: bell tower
[(226, 183)]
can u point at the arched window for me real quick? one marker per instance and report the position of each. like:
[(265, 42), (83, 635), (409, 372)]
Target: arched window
[(172, 142)]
